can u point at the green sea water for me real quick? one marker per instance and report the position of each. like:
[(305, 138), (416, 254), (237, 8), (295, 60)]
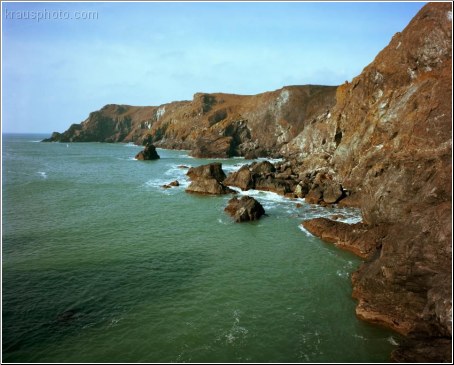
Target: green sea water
[(101, 264)]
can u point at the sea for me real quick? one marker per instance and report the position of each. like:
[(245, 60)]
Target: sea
[(100, 263)]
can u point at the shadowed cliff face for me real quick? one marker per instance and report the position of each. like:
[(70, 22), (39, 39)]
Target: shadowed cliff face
[(388, 138), (212, 125)]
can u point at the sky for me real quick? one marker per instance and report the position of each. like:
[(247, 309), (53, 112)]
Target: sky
[(61, 61)]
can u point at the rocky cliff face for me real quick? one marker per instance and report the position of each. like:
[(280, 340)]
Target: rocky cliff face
[(211, 125), (388, 139), (384, 138)]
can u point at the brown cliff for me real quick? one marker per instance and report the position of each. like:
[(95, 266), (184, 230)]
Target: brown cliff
[(385, 139), (388, 139), (211, 125)]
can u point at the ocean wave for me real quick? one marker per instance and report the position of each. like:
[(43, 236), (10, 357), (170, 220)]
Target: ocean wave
[(272, 160), (392, 341), (42, 174), (308, 234)]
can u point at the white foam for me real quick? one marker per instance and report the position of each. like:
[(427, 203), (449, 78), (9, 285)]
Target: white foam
[(351, 220), (392, 341), (360, 337), (272, 160), (42, 174), (342, 274), (309, 234), (130, 144)]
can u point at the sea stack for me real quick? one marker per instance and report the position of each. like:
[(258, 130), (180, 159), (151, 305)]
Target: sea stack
[(149, 153)]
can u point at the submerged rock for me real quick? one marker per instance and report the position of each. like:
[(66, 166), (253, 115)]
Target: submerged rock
[(171, 184), (244, 209)]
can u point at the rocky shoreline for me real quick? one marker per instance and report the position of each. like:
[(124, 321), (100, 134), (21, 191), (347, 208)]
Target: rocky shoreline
[(381, 142)]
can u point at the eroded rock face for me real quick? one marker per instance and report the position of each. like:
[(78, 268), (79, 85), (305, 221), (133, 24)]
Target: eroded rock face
[(208, 179), (149, 153), (262, 176), (244, 209), (388, 141), (211, 125), (358, 238), (208, 186), (212, 171)]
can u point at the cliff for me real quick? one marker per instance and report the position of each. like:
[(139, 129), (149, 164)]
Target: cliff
[(388, 140), (384, 138), (211, 125)]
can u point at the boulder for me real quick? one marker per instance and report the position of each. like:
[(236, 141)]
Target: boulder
[(332, 192), (208, 186), (209, 171), (244, 209), (262, 168), (314, 196), (171, 184), (279, 186), (242, 178), (149, 153)]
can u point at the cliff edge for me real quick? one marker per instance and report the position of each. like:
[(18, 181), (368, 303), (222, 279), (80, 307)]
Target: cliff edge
[(388, 140)]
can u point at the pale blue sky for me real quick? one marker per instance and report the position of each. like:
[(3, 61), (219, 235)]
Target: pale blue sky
[(56, 71)]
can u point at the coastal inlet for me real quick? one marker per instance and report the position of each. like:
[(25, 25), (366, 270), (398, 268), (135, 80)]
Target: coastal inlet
[(103, 264)]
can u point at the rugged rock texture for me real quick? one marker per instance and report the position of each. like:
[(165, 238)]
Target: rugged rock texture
[(263, 176), (388, 141), (149, 153), (423, 351), (207, 179), (208, 186), (244, 209), (383, 144), (358, 238), (211, 125), (209, 171)]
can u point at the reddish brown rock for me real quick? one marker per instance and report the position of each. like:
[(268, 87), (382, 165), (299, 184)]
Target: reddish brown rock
[(242, 178), (358, 238), (388, 140), (213, 148), (211, 125), (438, 350), (209, 171), (208, 186), (207, 179), (262, 168), (244, 209)]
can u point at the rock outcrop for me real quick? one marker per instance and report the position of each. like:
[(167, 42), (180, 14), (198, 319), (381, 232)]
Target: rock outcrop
[(211, 125), (262, 176), (388, 141), (244, 209), (381, 142), (208, 171), (149, 153), (208, 179), (359, 238)]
